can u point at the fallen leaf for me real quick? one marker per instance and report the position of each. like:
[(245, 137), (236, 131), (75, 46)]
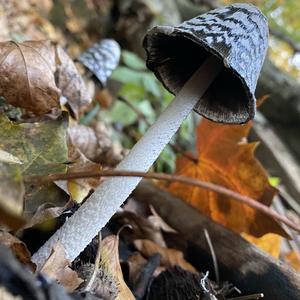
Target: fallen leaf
[(71, 83), (8, 158), (140, 227), (293, 259), (169, 257), (27, 72), (270, 243), (80, 188), (85, 139), (158, 222), (40, 146), (57, 268), (11, 195), (225, 158), (111, 264), (44, 202), (136, 264), (18, 248)]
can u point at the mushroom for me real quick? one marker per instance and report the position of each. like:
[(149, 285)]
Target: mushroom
[(101, 59), (212, 64)]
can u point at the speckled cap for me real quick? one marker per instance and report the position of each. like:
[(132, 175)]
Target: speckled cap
[(236, 34), (101, 59)]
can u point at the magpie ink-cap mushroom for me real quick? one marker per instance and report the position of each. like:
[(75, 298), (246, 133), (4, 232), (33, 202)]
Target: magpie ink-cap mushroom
[(237, 35), (231, 52), (101, 59)]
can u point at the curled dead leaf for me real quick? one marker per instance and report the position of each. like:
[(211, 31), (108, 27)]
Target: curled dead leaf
[(111, 264), (27, 75), (18, 248), (169, 257), (57, 268), (71, 83)]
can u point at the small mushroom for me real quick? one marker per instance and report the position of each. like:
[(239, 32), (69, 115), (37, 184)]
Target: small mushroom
[(211, 63), (101, 59)]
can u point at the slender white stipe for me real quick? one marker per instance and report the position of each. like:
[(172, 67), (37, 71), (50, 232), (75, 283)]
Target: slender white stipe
[(79, 230)]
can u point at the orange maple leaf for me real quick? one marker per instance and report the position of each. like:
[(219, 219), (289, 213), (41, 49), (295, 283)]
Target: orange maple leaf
[(225, 158)]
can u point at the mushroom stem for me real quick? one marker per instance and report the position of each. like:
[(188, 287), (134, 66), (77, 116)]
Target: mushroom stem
[(79, 230)]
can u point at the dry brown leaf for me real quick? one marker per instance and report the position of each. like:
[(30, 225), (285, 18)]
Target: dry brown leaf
[(27, 72), (136, 263), (18, 248), (71, 83), (111, 264), (141, 228), (85, 139), (80, 188), (57, 268), (270, 243), (225, 158), (293, 259), (169, 257)]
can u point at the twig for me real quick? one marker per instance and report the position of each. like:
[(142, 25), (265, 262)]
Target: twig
[(142, 116), (249, 297), (142, 283), (213, 255), (96, 266), (174, 178)]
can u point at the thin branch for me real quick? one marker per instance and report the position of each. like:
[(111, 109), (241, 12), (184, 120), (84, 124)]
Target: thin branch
[(249, 297), (213, 255), (174, 178)]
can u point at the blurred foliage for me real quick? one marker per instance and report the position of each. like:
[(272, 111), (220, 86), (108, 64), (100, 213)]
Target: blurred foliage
[(284, 17), (142, 90)]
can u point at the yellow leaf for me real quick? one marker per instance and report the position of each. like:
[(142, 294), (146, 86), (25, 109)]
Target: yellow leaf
[(111, 264), (269, 243)]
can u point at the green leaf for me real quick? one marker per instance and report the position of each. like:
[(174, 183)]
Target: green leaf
[(126, 75), (121, 113), (132, 92), (131, 60), (41, 147), (151, 85)]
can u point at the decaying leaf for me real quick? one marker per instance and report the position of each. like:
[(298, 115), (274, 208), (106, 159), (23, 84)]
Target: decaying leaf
[(96, 143), (169, 257), (225, 158), (27, 75), (11, 195), (6, 157), (141, 228), (57, 267), (43, 202), (18, 248), (103, 286), (111, 264), (40, 146), (270, 243), (80, 188), (71, 83)]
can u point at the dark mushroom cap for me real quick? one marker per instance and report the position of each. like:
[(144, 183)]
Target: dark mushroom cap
[(101, 59), (237, 34)]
